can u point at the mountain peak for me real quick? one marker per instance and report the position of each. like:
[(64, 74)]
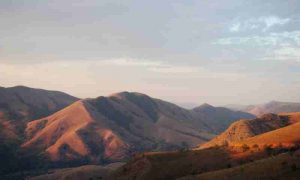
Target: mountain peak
[(126, 94), (19, 87), (204, 106)]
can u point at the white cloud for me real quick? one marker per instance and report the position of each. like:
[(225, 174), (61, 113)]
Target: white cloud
[(271, 21), (284, 54), (272, 39), (262, 23), (235, 27)]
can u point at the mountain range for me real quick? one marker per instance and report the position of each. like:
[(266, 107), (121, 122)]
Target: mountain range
[(66, 130), (41, 130), (270, 107)]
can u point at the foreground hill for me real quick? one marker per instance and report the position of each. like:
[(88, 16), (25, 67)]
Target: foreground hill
[(112, 128), (244, 129), (286, 136), (174, 165), (86, 172), (219, 118), (282, 166), (272, 107)]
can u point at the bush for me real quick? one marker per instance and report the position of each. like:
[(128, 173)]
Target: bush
[(245, 147)]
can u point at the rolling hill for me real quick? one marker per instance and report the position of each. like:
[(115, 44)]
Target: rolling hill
[(219, 118), (224, 160), (282, 166), (244, 129), (20, 104), (24, 103), (111, 128)]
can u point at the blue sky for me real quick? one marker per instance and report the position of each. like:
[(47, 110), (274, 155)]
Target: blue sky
[(188, 52)]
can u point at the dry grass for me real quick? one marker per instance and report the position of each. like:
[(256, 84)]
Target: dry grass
[(283, 166)]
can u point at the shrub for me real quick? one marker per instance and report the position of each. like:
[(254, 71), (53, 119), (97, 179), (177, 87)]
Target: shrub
[(245, 147)]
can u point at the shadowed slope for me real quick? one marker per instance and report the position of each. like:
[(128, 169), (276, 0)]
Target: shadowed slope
[(86, 172), (283, 166), (219, 118), (24, 103)]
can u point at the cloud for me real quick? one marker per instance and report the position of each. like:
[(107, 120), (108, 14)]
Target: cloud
[(131, 62), (284, 54), (272, 39), (263, 23), (155, 66), (235, 27)]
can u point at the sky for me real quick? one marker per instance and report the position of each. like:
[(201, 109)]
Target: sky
[(188, 52)]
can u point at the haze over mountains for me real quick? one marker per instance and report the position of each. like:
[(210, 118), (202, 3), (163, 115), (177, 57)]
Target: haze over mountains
[(270, 107)]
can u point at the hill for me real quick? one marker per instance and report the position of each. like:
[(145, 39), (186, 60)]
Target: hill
[(244, 129), (24, 103), (219, 118), (109, 129), (172, 165), (80, 173), (20, 104), (282, 166)]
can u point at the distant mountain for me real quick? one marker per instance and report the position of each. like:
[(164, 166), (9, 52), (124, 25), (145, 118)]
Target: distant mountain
[(244, 129), (270, 107), (219, 118), (112, 128)]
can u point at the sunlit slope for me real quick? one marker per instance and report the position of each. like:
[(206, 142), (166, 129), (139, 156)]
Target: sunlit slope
[(244, 129)]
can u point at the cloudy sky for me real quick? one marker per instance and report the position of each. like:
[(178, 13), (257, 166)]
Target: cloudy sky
[(188, 52)]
